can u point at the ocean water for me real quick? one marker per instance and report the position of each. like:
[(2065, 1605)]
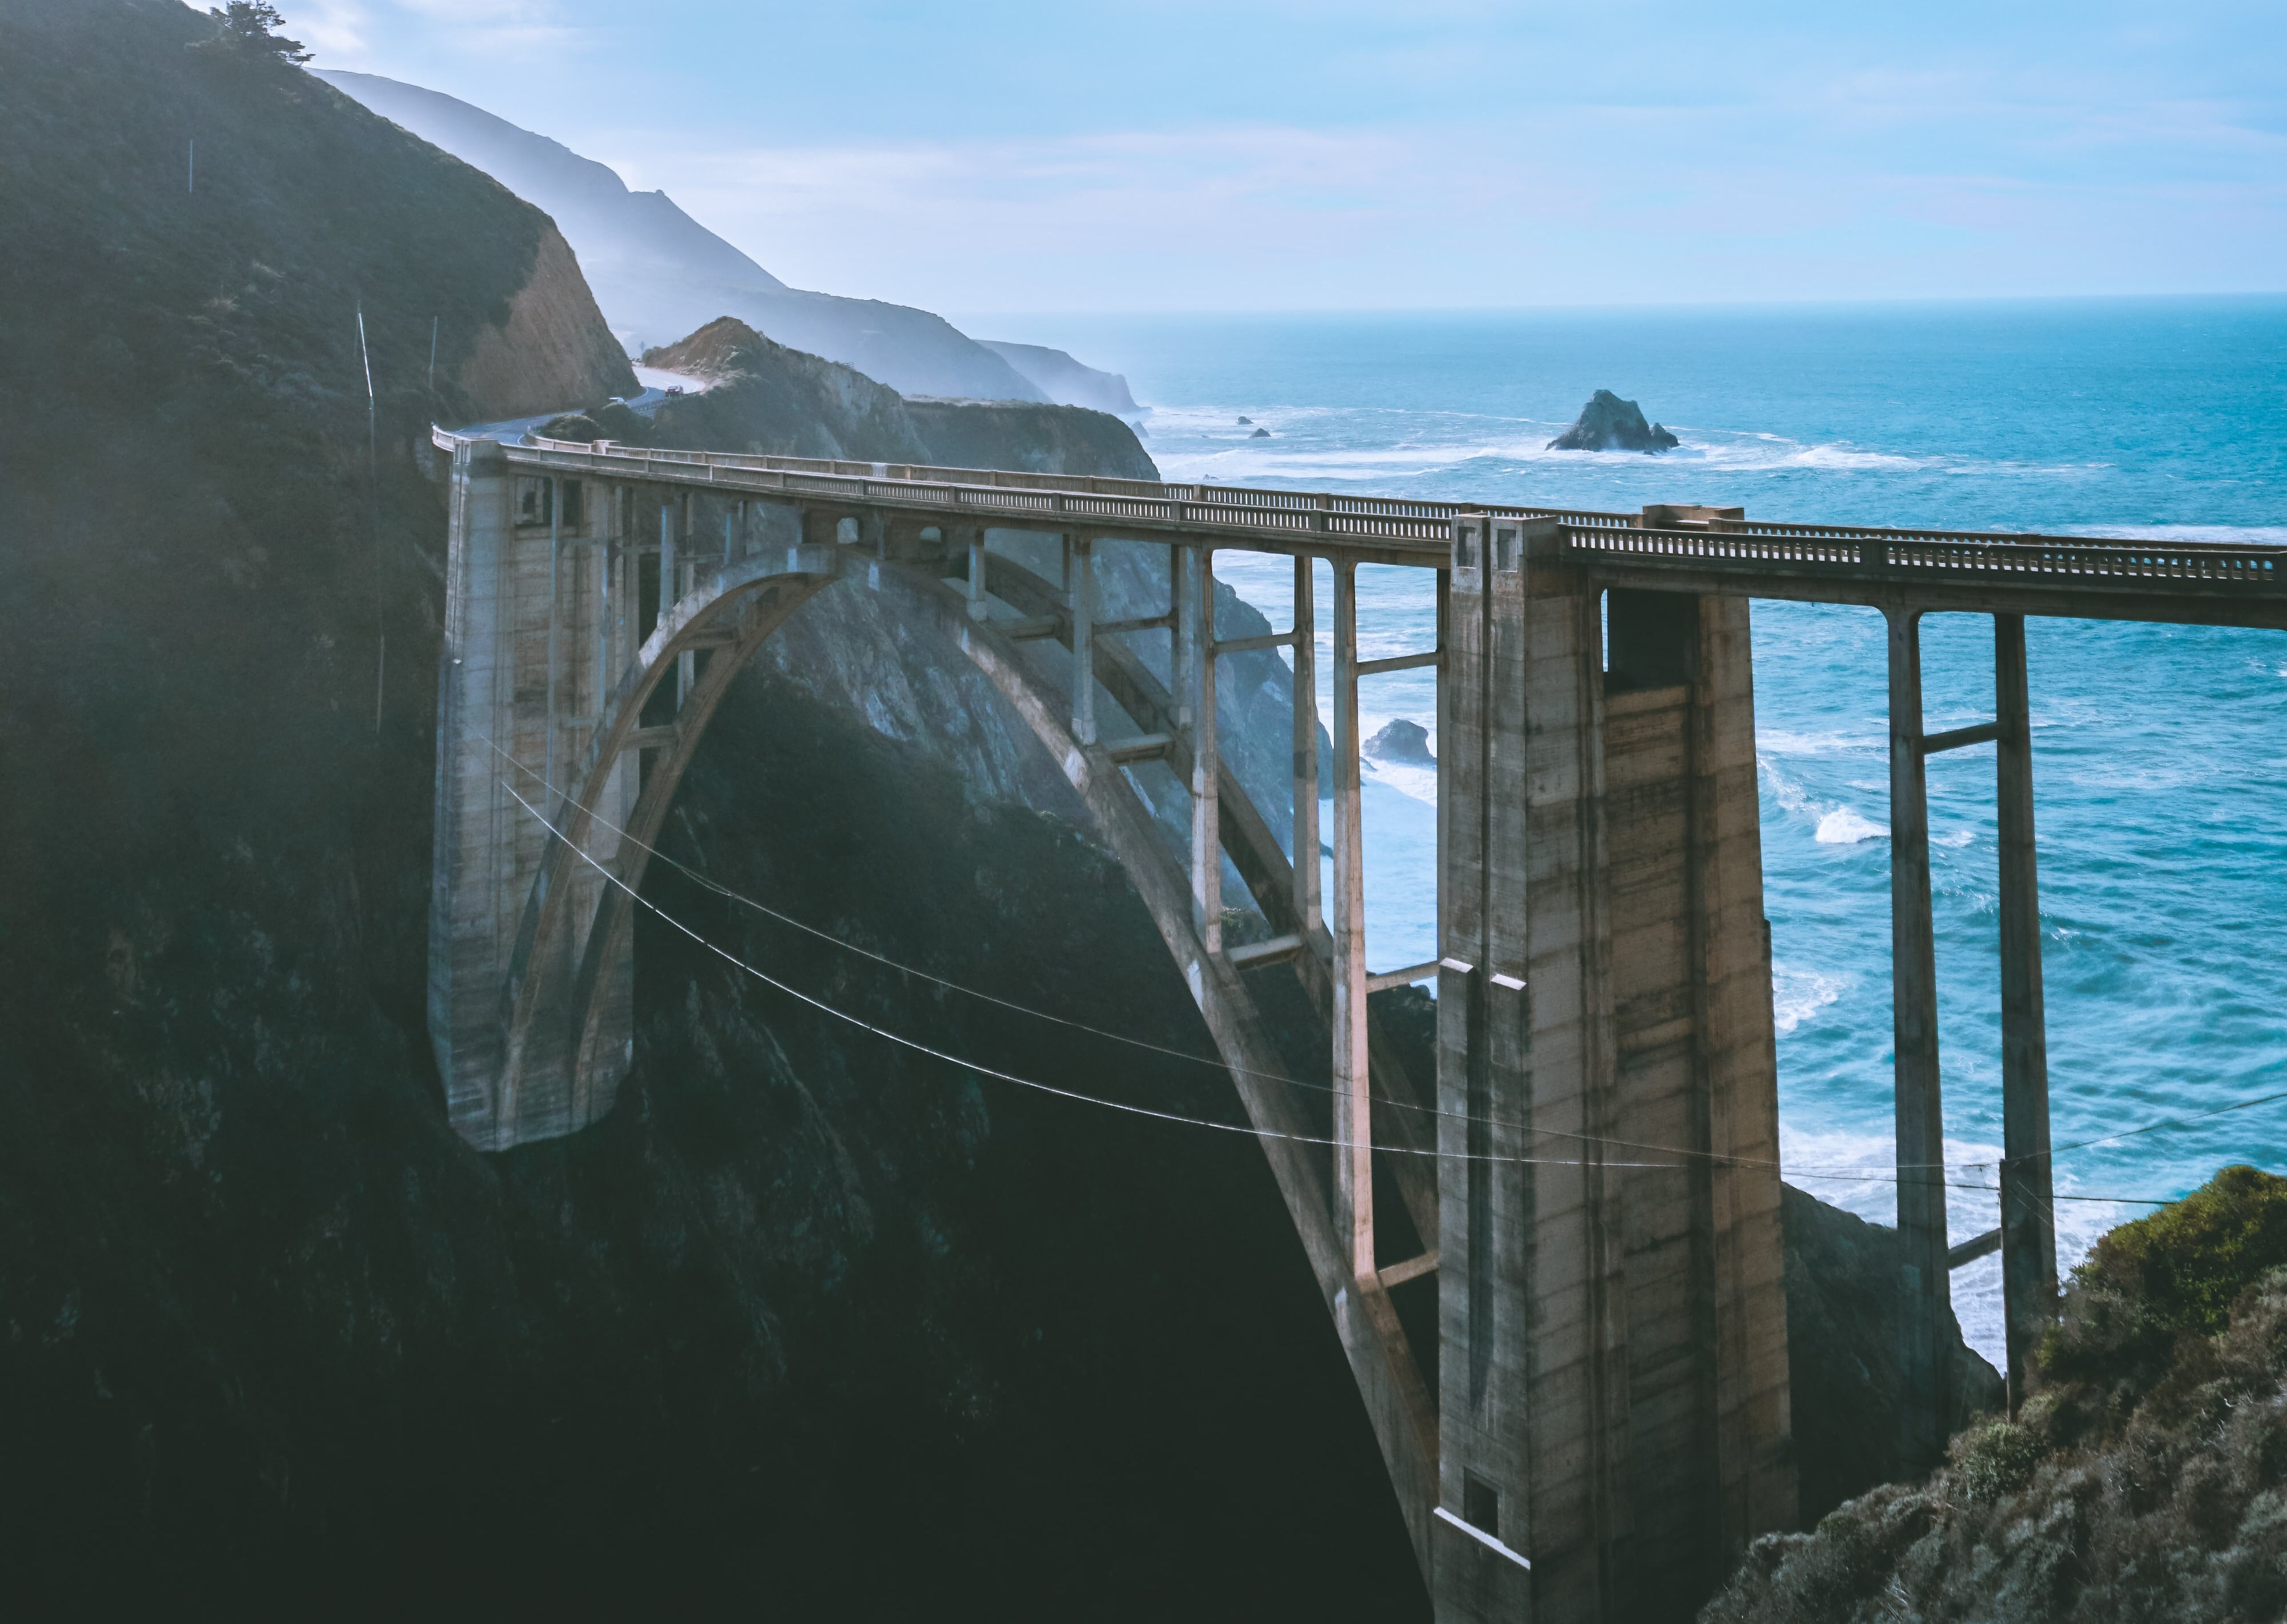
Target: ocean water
[(2160, 752)]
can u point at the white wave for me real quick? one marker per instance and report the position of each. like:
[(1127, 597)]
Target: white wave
[(1836, 824), (1316, 444), (1845, 827), (1419, 783), (1780, 741), (1789, 795), (1799, 994), (1954, 837)]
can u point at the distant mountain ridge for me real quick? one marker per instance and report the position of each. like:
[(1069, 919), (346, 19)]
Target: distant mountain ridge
[(1066, 381), (658, 274)]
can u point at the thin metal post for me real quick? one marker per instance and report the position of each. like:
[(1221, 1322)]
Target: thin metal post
[(1200, 686), (1924, 1287), (1080, 571), (2028, 1240), (1353, 1101), (1307, 913)]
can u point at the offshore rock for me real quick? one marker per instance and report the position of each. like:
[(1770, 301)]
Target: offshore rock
[(1610, 423), (1406, 743)]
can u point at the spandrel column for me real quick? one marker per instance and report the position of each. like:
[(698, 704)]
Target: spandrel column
[(1924, 1289)]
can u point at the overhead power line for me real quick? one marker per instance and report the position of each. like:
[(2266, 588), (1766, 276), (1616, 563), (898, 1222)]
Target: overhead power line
[(1713, 1157), (1126, 1107)]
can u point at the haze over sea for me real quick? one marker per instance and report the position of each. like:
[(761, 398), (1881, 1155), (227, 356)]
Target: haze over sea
[(2160, 752)]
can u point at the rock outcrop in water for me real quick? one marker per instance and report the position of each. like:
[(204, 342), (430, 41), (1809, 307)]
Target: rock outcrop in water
[(1406, 743), (1610, 423)]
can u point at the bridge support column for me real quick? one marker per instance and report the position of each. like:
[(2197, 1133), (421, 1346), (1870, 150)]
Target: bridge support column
[(1080, 564), (1612, 1375), (1306, 749), (1198, 684), (1925, 1288), (505, 664), (1353, 1120), (2028, 1240), (1532, 1374)]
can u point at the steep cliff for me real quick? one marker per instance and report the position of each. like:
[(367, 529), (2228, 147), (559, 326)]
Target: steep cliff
[(656, 271), (804, 1328), (1842, 1355), (1064, 380), (174, 216), (552, 347), (766, 398), (1045, 439)]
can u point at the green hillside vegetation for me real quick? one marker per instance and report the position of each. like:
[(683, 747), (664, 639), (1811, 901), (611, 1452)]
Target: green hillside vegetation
[(2146, 1480)]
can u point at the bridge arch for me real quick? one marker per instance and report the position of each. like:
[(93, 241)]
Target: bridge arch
[(561, 974)]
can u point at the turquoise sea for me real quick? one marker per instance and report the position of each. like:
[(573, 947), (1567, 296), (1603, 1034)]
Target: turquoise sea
[(2160, 752)]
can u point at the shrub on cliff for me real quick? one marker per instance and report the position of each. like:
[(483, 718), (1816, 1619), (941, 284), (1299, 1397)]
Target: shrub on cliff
[(2146, 1480)]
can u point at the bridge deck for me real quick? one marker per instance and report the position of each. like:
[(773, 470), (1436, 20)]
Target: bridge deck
[(2096, 578)]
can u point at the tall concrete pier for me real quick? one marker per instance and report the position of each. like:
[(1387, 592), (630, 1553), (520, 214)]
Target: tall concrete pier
[(1590, 1184)]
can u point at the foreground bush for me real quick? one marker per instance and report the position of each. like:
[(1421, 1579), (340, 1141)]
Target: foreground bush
[(2146, 1480)]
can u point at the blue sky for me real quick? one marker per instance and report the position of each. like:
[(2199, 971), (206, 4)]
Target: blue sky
[(1011, 155)]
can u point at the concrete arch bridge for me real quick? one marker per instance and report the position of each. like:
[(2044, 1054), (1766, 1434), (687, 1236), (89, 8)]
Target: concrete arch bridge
[(1611, 1422)]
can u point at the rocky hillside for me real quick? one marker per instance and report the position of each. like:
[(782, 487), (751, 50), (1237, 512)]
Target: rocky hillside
[(139, 269), (805, 1326), (1842, 1364), (658, 271), (766, 398), (1050, 439), (2145, 1479)]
